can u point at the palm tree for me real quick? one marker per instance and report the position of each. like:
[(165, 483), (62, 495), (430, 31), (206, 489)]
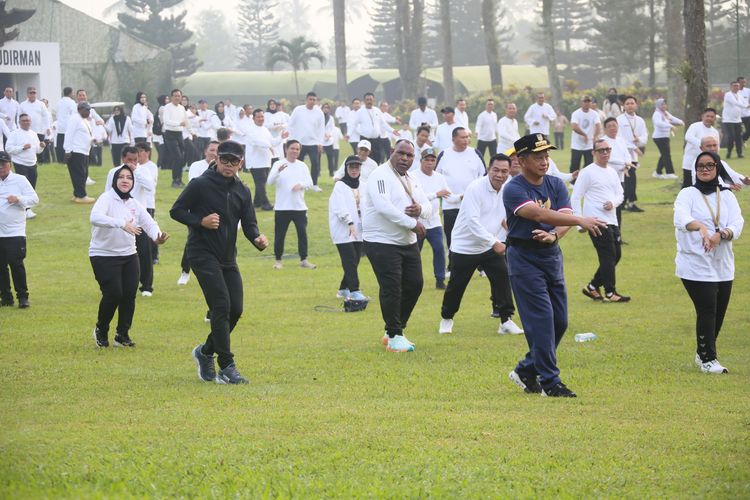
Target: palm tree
[(297, 53)]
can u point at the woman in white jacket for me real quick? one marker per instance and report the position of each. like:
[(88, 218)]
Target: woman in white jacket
[(345, 224), (707, 219), (116, 219)]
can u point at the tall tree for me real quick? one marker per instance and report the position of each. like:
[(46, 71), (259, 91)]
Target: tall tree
[(409, 30), (652, 43), (432, 55), (695, 70), (617, 48), (9, 18), (719, 16), (258, 29), (152, 24), (297, 53), (212, 37), (675, 42), (549, 52), (339, 35), (381, 44), (491, 44), (445, 20)]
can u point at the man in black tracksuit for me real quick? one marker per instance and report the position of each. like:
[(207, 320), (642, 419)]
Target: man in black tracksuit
[(212, 205)]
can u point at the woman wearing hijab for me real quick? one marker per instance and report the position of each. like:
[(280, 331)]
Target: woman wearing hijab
[(612, 107), (328, 138), (345, 225), (116, 220), (119, 133), (707, 219), (141, 117), (221, 119), (664, 123)]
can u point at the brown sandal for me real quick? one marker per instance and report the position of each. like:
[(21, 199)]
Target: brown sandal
[(592, 293)]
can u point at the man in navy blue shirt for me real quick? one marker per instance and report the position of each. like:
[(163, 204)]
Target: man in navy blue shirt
[(539, 214)]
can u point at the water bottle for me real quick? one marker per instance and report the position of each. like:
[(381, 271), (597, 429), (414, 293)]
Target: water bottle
[(585, 337)]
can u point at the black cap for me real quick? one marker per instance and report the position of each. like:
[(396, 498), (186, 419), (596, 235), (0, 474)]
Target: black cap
[(428, 152), (231, 148), (4, 157), (352, 159), (84, 105), (448, 109), (422, 101), (532, 143)]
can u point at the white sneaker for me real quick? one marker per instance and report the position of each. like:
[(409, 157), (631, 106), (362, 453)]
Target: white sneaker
[(482, 274), (509, 327), (317, 189), (90, 181), (277, 265), (713, 366), (146, 293), (670, 176), (30, 214), (343, 294), (305, 264), (386, 338), (446, 326), (184, 278)]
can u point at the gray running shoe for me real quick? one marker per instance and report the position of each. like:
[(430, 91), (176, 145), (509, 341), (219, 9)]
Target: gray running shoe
[(206, 367)]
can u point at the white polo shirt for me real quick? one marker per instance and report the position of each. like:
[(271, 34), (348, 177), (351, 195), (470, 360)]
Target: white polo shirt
[(479, 224)]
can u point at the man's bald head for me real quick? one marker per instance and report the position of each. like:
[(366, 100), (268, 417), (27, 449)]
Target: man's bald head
[(710, 143)]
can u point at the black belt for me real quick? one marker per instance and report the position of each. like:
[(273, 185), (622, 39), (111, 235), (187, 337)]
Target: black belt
[(529, 244)]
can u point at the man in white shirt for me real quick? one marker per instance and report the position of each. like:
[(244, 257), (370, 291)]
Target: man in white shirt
[(632, 128), (734, 104), (369, 123), (174, 119), (421, 142), (460, 165), (205, 132), (507, 128), (16, 196), (79, 137), (745, 93), (391, 224), (693, 137), (444, 133), (342, 116), (598, 186), (479, 242), (259, 149), (307, 125), (23, 146), (462, 117), (66, 107), (40, 119), (434, 186), (620, 159), (9, 109), (232, 111), (352, 137), (711, 144), (385, 135), (539, 115), (586, 127), (486, 129), (367, 165), (423, 116)]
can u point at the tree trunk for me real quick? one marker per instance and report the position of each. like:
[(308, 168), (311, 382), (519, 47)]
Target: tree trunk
[(491, 45), (339, 35), (695, 71), (549, 52), (675, 56), (414, 51), (445, 22), (296, 83), (652, 44)]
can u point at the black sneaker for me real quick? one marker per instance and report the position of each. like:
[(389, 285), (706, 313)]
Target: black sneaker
[(528, 384), (616, 297), (123, 341), (206, 367), (634, 208), (440, 284), (7, 302), (558, 391), (24, 303), (100, 338), (230, 375)]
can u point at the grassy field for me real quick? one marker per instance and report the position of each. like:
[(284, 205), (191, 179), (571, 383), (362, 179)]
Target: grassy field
[(329, 413)]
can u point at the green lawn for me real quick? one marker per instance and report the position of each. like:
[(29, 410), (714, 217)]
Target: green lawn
[(329, 413)]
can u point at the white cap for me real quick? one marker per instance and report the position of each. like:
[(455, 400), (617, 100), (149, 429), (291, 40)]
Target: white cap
[(364, 143)]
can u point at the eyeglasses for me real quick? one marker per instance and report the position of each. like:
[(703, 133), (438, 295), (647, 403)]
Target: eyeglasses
[(603, 150), (706, 167), (235, 162)]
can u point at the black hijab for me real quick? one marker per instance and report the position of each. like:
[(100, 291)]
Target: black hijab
[(119, 120), (138, 98), (710, 186), (220, 115), (349, 180), (268, 106), (123, 196)]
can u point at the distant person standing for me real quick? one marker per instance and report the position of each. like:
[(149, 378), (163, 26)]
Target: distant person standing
[(23, 146), (734, 105), (558, 126), (213, 206), (539, 115), (486, 129), (369, 123), (79, 137), (611, 106), (507, 129), (276, 121), (259, 149), (585, 127), (352, 136), (632, 128), (16, 196), (341, 113), (444, 133), (66, 107), (142, 118), (307, 126), (462, 117), (119, 132), (40, 119), (174, 119), (745, 114), (423, 116), (664, 124), (9, 109), (693, 137)]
